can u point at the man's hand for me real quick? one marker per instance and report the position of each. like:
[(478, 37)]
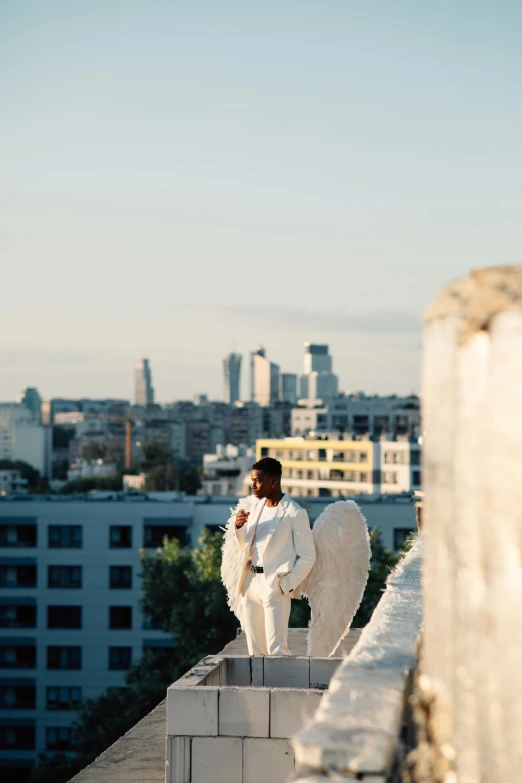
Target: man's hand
[(241, 518)]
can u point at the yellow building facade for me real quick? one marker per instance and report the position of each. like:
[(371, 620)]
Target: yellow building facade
[(324, 468)]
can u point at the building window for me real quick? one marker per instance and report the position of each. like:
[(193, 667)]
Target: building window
[(153, 534), (58, 738), (120, 577), (17, 697), (310, 474), (18, 576), (322, 455), (363, 478), (120, 618), (390, 478), (17, 656), (400, 534), (336, 475), (17, 737), (64, 617), (18, 616), (120, 537), (415, 457), (363, 456), (324, 492), (264, 451), (417, 478), (64, 698), (338, 456), (64, 576), (152, 623), (65, 536), (120, 658), (17, 535), (64, 657)]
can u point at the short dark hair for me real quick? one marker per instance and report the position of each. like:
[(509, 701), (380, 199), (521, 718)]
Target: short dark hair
[(270, 466)]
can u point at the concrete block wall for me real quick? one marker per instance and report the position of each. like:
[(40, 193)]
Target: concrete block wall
[(230, 720)]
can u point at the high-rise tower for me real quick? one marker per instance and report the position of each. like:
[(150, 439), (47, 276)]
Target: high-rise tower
[(318, 381), (143, 391), (232, 371), (264, 378)]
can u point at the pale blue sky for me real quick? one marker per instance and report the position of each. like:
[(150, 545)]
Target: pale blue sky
[(178, 179)]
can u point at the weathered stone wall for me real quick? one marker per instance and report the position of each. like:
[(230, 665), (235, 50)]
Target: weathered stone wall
[(471, 684)]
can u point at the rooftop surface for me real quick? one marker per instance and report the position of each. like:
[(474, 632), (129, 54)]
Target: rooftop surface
[(139, 756)]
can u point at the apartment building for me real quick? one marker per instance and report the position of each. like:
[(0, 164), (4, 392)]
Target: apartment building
[(324, 468), (70, 616), (332, 466)]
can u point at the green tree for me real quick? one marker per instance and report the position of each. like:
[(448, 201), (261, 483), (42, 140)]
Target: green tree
[(183, 591), (93, 451), (382, 562), (162, 478), (35, 483), (108, 484)]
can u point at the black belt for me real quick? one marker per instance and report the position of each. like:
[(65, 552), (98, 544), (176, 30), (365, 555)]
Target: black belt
[(257, 569)]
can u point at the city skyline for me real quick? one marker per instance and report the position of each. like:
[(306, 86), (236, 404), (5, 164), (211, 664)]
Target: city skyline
[(164, 397)]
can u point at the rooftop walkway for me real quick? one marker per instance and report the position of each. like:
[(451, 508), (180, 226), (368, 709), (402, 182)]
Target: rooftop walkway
[(138, 756)]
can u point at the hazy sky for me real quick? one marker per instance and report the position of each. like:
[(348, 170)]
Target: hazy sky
[(179, 179)]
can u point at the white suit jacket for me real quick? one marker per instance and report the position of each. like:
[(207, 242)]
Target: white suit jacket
[(289, 552)]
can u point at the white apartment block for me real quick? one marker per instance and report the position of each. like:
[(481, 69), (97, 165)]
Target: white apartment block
[(224, 472), (12, 481), (87, 469), (400, 466), (358, 414), (23, 438), (70, 618)]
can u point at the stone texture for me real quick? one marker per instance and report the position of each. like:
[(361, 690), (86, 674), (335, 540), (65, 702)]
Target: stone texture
[(266, 761), (217, 760), (177, 768), (238, 671), (136, 757), (257, 668), (287, 672), (244, 712), (192, 712), (290, 710), (322, 671)]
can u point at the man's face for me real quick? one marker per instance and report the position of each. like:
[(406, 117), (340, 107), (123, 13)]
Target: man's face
[(262, 485)]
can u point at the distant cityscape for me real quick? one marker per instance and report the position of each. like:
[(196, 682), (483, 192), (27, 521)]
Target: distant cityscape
[(86, 484), (67, 440)]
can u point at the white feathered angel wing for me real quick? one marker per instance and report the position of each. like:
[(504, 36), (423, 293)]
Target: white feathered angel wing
[(231, 559), (335, 585)]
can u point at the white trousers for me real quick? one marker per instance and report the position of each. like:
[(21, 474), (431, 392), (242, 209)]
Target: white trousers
[(265, 617)]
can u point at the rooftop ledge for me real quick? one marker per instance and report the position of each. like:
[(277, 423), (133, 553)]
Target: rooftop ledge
[(236, 719)]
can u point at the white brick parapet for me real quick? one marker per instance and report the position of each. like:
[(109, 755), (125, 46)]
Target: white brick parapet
[(356, 730), (230, 720)]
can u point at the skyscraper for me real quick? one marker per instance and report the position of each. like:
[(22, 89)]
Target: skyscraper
[(31, 399), (318, 381), (143, 391), (316, 358), (288, 387), (264, 378), (232, 371)]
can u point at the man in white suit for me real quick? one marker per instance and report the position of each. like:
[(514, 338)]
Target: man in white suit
[(278, 552)]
